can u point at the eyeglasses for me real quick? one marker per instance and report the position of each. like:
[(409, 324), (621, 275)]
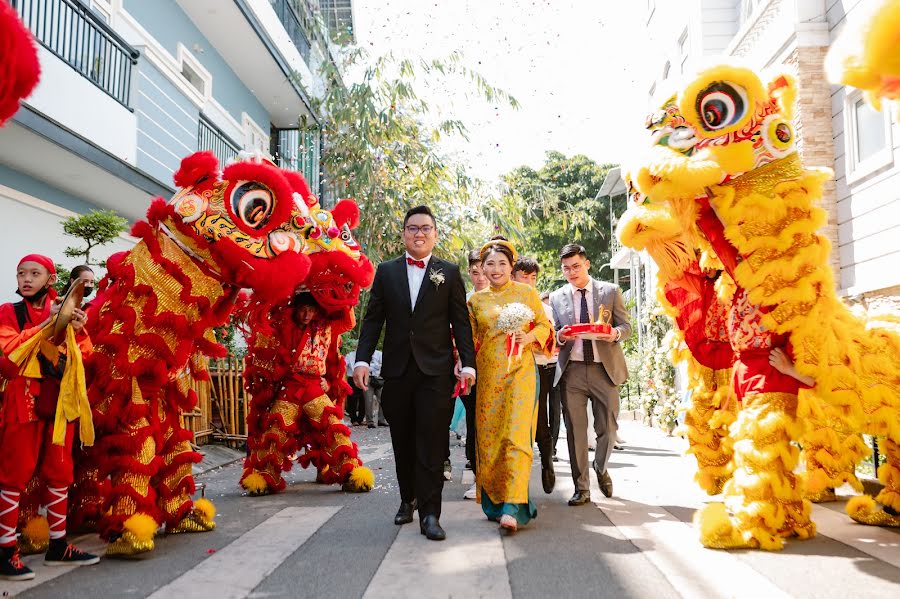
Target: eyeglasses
[(573, 268), (414, 229)]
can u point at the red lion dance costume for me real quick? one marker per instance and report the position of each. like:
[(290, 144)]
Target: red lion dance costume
[(295, 372), (155, 310)]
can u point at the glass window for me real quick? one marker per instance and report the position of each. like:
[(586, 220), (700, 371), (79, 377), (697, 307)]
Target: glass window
[(870, 131)]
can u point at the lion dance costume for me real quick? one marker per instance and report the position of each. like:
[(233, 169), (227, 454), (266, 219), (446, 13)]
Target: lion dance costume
[(727, 210), (156, 309), (295, 372)]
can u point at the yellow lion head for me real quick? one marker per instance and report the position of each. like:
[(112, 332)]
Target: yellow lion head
[(723, 123)]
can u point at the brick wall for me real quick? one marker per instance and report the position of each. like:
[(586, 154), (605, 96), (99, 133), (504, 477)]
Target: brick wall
[(814, 133)]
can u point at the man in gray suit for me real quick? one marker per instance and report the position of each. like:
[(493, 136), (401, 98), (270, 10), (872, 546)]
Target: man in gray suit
[(588, 369)]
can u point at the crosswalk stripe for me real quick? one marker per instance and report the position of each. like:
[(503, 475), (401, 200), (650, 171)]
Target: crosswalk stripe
[(470, 563), (880, 543), (89, 543), (671, 546), (234, 571)]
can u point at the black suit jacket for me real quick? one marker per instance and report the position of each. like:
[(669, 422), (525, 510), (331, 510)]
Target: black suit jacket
[(423, 334)]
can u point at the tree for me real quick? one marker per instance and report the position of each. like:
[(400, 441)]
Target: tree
[(382, 147), (560, 205), (97, 228)]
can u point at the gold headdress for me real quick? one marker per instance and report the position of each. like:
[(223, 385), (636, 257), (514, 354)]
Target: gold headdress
[(501, 242)]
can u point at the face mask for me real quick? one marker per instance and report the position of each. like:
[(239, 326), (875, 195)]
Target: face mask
[(88, 290), (39, 294)]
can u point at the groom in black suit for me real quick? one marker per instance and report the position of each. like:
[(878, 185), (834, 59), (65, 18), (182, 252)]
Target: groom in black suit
[(419, 298)]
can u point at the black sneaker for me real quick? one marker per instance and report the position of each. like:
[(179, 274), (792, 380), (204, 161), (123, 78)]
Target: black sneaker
[(11, 566), (62, 553)]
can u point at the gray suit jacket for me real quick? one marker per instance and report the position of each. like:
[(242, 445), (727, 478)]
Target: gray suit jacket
[(610, 354)]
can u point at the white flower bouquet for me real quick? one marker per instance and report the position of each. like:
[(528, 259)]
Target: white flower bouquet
[(512, 319)]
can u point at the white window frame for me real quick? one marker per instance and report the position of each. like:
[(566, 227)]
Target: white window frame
[(252, 133), (858, 170), (185, 57)]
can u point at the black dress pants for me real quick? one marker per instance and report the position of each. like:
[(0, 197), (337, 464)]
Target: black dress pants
[(419, 408), (542, 433)]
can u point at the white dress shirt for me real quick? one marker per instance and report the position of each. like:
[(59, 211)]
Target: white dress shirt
[(577, 354), (415, 276)]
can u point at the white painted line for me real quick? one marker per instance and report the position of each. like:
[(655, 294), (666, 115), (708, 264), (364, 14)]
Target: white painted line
[(673, 547), (376, 452), (470, 563), (88, 543), (880, 543), (234, 571)]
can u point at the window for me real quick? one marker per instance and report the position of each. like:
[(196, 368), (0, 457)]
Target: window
[(255, 139), (683, 50), (868, 143), (665, 73), (194, 73)]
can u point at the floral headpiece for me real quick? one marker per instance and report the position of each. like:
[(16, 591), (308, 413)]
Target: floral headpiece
[(501, 242)]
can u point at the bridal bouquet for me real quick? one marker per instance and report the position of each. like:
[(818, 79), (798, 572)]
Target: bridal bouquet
[(512, 319)]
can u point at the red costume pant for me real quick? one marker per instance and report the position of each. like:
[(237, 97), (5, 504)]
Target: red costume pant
[(26, 449)]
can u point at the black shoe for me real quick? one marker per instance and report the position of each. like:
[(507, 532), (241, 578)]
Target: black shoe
[(372, 425), (605, 483), (405, 513), (11, 566), (580, 498), (548, 479), (431, 528), (383, 423), (618, 447), (62, 553), (468, 465)]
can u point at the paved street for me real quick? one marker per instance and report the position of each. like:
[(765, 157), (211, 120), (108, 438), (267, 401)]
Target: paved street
[(314, 541)]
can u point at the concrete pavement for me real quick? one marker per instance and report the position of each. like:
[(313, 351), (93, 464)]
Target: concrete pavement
[(314, 541)]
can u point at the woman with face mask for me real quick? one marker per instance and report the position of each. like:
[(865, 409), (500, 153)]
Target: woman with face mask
[(83, 273)]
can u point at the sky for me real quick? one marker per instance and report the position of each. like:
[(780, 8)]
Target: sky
[(571, 64)]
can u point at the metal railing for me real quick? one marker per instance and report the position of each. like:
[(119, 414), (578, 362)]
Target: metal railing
[(69, 29), (298, 150), (210, 137), (288, 16)]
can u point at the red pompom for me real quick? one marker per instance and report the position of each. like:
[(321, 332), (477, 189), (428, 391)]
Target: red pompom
[(19, 67), (196, 167), (299, 185), (346, 212)]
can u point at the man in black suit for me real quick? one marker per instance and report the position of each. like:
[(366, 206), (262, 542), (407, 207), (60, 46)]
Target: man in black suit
[(419, 298)]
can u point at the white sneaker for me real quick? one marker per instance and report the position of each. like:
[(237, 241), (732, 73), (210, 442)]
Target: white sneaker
[(471, 493)]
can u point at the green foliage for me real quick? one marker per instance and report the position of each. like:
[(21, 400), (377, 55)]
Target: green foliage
[(96, 228), (62, 277), (383, 149), (560, 205)]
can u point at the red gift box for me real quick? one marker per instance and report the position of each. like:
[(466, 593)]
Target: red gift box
[(587, 330)]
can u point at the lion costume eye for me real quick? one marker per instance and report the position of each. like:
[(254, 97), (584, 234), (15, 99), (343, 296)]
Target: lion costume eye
[(347, 238), (253, 203), (721, 105)]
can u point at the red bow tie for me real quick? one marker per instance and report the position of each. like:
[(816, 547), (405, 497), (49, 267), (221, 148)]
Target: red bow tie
[(419, 263)]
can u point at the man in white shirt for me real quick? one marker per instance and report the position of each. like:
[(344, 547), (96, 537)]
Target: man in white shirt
[(374, 413), (589, 369)]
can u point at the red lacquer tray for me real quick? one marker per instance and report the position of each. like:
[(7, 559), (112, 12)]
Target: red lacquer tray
[(590, 331)]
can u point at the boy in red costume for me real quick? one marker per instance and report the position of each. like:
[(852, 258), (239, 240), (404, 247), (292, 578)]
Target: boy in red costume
[(36, 434)]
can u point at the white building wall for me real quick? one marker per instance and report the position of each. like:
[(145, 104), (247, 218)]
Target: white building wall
[(76, 103), (868, 200), (45, 218)]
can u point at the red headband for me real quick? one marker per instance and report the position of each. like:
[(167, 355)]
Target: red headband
[(40, 259)]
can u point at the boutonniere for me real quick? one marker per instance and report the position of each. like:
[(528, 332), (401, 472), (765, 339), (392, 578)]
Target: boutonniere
[(436, 276)]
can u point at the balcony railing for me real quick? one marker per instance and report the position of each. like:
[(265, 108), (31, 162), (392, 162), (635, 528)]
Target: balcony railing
[(69, 29), (298, 150), (210, 137), (288, 16)]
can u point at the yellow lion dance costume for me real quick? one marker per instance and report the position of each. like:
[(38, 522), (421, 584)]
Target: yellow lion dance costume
[(725, 165)]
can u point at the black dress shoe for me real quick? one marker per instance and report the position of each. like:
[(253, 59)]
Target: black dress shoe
[(580, 498), (371, 425), (605, 483), (405, 513), (548, 479), (431, 528)]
